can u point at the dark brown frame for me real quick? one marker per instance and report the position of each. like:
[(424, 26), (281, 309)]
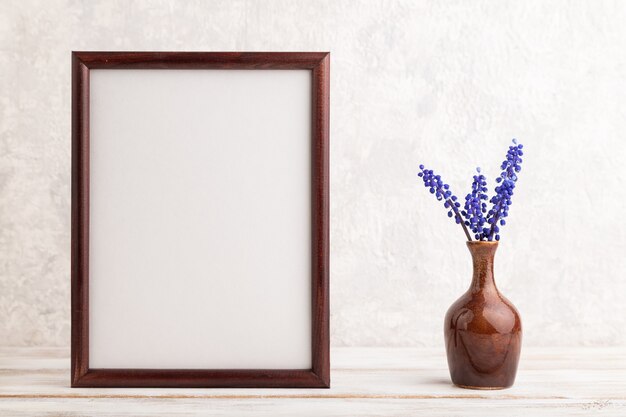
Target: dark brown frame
[(84, 376)]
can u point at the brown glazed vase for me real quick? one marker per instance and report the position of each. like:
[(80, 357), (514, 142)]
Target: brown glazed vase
[(483, 330)]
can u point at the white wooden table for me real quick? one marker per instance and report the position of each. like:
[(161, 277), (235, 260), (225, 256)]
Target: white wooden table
[(365, 382)]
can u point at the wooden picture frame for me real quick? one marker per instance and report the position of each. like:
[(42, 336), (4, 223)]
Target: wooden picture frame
[(90, 168)]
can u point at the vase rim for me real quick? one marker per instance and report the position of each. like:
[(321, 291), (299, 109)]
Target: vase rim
[(482, 242)]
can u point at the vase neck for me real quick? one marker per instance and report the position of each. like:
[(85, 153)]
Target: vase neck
[(483, 254)]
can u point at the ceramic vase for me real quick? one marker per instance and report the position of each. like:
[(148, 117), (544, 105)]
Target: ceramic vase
[(483, 330)]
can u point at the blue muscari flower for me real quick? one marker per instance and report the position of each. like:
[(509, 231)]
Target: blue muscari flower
[(442, 192), (475, 206), (483, 224), (501, 201)]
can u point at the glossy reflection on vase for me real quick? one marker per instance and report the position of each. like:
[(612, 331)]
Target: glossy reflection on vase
[(483, 330)]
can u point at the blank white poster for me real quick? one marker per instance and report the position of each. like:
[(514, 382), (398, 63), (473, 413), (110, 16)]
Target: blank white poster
[(200, 219)]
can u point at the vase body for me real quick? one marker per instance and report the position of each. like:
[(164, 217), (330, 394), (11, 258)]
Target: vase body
[(483, 330)]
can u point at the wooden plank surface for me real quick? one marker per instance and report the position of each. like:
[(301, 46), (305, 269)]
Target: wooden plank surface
[(365, 382)]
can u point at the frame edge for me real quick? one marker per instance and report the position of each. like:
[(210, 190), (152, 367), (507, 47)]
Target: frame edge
[(321, 234), (80, 220), (188, 378)]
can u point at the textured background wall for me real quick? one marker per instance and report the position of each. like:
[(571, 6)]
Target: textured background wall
[(447, 83)]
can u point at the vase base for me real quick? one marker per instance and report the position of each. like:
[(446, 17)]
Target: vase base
[(480, 388)]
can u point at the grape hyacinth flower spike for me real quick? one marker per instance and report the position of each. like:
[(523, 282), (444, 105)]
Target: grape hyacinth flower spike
[(476, 206), (436, 186), (501, 201), (485, 225)]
